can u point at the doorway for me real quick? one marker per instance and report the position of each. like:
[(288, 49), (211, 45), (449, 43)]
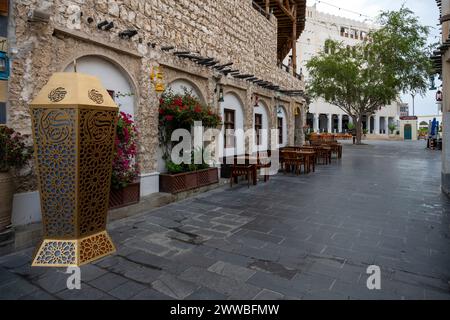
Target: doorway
[(408, 132)]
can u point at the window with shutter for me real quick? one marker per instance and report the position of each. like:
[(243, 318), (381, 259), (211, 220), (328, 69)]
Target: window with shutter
[(258, 128), (3, 7), (229, 124)]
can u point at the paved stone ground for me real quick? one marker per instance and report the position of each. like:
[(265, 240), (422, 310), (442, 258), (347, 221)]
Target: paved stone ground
[(307, 237)]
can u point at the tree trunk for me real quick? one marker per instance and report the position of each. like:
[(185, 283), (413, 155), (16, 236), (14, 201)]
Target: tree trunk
[(359, 130)]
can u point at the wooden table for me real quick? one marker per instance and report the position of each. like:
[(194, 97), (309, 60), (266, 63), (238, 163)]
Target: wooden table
[(310, 159), (337, 149), (318, 149), (329, 150)]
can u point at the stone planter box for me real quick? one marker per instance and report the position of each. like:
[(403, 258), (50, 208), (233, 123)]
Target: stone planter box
[(176, 183), (120, 198)]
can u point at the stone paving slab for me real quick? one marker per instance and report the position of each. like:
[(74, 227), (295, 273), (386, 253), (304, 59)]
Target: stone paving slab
[(295, 237)]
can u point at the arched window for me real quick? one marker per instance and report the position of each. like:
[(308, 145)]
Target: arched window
[(113, 78)]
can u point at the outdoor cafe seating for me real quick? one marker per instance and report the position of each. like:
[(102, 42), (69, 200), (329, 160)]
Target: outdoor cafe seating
[(248, 165), (292, 159)]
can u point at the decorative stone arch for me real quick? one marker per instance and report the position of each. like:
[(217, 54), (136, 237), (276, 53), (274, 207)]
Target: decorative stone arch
[(269, 108), (200, 84), (104, 55), (191, 85), (131, 79)]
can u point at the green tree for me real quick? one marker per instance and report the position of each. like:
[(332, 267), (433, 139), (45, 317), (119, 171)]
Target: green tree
[(367, 77)]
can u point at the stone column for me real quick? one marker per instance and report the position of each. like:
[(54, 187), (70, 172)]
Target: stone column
[(377, 125), (369, 129), (330, 123), (386, 125), (340, 123), (316, 122)]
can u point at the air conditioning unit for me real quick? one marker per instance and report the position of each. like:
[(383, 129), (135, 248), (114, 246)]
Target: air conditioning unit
[(38, 15)]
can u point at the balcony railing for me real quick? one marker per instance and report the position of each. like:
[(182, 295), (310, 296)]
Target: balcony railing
[(261, 10), (289, 70)]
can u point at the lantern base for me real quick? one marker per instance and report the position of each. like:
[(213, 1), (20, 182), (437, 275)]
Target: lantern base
[(73, 253)]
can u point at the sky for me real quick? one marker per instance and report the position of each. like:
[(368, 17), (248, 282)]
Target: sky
[(426, 10)]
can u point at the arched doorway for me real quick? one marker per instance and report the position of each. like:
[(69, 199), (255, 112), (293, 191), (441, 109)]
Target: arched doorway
[(365, 122), (178, 86), (232, 140), (335, 123), (282, 127), (372, 125), (310, 121), (345, 122), (113, 78), (261, 126), (323, 123), (408, 132)]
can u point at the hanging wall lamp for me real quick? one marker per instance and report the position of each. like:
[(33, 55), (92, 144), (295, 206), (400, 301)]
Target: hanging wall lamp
[(255, 100), (439, 96), (219, 90)]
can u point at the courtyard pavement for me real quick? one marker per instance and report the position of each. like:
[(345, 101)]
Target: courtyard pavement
[(307, 237)]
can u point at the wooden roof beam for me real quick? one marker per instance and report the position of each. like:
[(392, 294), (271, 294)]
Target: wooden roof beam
[(285, 6)]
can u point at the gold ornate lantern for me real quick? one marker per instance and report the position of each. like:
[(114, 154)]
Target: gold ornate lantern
[(74, 120)]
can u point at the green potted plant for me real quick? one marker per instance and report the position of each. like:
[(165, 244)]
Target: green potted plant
[(125, 189), (392, 128), (15, 152), (180, 111)]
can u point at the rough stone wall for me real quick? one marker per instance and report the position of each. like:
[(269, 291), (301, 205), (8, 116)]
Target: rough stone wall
[(228, 30)]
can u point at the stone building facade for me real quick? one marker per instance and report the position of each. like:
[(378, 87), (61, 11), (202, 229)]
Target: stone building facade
[(442, 66), (226, 30)]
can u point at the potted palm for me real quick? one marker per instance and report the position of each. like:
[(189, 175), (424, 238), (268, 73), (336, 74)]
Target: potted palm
[(15, 153)]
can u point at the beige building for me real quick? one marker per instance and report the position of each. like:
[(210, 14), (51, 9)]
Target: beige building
[(409, 128), (121, 42)]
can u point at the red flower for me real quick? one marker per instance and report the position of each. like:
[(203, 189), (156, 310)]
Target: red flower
[(178, 102), (198, 109), (161, 111), (169, 118)]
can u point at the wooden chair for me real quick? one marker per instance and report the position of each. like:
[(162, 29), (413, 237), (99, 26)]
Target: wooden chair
[(242, 170), (264, 165), (323, 155), (292, 160)]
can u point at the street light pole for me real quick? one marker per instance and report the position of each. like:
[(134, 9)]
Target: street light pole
[(414, 103)]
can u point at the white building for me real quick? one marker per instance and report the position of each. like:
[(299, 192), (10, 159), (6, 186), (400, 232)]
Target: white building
[(322, 116), (424, 121)]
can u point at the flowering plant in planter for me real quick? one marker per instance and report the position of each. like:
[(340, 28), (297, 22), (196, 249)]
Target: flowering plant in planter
[(125, 168), (180, 111), (15, 152)]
